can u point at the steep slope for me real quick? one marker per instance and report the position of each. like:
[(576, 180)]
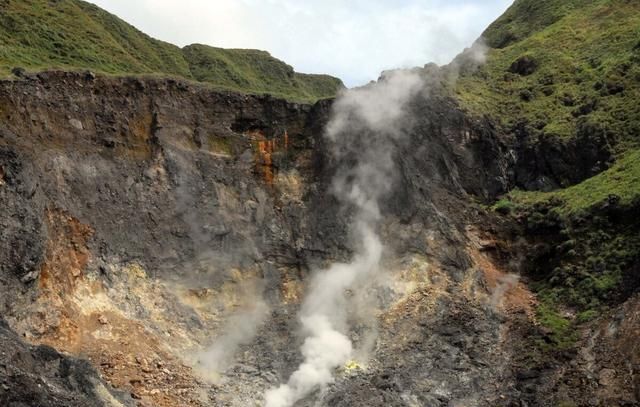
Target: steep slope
[(39, 34), (155, 213), (73, 34), (570, 70), (38, 375), (257, 72), (525, 18), (169, 233), (561, 83)]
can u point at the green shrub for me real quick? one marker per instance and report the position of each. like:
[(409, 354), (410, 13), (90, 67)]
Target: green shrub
[(587, 316), (504, 206)]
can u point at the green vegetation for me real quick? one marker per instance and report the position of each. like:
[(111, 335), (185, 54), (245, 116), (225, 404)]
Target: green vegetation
[(562, 334), (554, 69), (42, 34), (73, 34), (525, 18), (556, 64), (621, 180), (504, 206), (585, 245), (256, 71)]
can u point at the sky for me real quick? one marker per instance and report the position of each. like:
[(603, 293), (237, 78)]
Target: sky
[(354, 40)]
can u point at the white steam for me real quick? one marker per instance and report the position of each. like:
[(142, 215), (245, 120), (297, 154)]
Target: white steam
[(239, 330), (505, 283), (364, 129)]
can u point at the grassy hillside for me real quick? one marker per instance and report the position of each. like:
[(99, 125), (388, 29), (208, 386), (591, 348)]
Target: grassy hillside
[(556, 63), (553, 66), (73, 34), (585, 244), (39, 34), (525, 18), (257, 71), (621, 180)]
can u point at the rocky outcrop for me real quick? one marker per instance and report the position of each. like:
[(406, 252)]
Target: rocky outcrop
[(142, 216), (545, 162), (40, 376)]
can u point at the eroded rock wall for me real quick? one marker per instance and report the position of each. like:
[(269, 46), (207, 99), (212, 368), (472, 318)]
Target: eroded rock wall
[(144, 217)]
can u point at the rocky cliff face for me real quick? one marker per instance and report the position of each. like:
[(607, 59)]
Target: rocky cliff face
[(145, 220)]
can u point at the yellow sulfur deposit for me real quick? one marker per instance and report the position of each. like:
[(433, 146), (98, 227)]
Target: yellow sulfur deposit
[(352, 365)]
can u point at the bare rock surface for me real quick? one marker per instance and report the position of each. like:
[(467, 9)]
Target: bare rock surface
[(140, 216)]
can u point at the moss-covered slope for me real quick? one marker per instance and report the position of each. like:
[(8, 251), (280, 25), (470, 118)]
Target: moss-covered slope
[(73, 34), (554, 64), (257, 71), (555, 68)]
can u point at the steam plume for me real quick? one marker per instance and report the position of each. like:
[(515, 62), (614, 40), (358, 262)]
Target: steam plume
[(239, 330), (364, 130)]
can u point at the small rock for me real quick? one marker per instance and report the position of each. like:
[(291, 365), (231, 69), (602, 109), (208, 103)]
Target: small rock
[(103, 320), (568, 100), (29, 277), (526, 95), (607, 377), (585, 108), (250, 370), (524, 66), (528, 374), (613, 88), (18, 71), (77, 124)]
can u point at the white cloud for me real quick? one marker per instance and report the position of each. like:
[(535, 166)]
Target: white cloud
[(354, 40)]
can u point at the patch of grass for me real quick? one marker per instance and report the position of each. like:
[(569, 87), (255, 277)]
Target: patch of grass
[(562, 333), (73, 35), (587, 316), (42, 34), (256, 71), (219, 145), (582, 61), (621, 180), (504, 206), (584, 239), (525, 18)]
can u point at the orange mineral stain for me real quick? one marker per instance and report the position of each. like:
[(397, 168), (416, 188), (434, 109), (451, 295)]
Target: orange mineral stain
[(265, 155)]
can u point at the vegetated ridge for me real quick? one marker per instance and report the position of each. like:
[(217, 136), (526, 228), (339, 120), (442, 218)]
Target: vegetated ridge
[(74, 34), (562, 81)]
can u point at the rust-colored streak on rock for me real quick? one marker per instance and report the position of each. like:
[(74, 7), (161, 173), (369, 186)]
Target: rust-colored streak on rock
[(511, 296), (516, 298), (137, 139), (266, 149), (133, 359), (67, 254), (70, 315)]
